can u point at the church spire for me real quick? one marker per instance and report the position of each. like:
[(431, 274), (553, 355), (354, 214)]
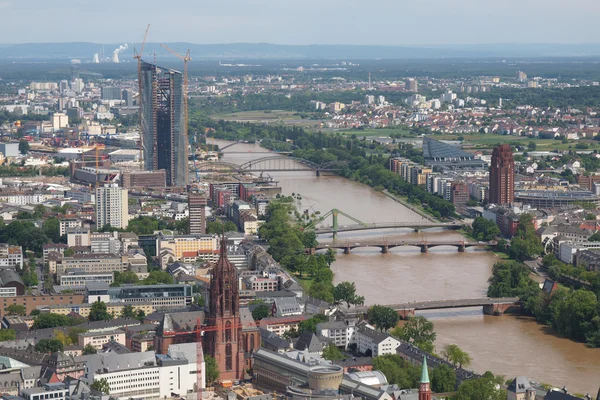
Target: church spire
[(424, 387), (424, 371)]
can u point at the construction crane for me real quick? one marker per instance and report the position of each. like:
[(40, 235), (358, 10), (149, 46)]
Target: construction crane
[(138, 56), (185, 60)]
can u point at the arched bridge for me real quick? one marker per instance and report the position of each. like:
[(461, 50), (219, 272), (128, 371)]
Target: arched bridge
[(271, 164), (416, 225), (385, 245), (491, 306)]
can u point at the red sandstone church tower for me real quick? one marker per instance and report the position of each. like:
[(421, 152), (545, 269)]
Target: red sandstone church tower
[(224, 336), (424, 387)]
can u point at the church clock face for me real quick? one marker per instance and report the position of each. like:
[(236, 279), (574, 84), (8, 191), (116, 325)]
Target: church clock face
[(424, 387)]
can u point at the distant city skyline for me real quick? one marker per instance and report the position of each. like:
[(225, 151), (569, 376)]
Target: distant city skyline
[(383, 22)]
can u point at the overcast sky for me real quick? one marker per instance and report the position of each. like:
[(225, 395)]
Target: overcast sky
[(385, 22)]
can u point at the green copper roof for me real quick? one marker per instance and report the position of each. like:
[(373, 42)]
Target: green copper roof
[(424, 371)]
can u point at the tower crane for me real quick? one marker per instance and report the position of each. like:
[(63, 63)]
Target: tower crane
[(185, 60), (138, 56)]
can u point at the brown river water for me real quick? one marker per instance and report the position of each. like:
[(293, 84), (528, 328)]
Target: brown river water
[(510, 345)]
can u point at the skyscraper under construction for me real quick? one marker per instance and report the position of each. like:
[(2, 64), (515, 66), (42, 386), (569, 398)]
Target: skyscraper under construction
[(164, 133)]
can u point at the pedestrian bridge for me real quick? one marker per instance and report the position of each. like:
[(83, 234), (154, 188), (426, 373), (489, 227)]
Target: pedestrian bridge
[(491, 306)]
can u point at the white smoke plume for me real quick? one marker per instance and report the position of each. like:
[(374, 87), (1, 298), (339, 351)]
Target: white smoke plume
[(115, 57)]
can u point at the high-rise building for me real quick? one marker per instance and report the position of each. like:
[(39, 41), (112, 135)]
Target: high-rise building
[(424, 384), (111, 93), (127, 96), (224, 337), (459, 193), (112, 206), (521, 76), (164, 130), (197, 213), (412, 85), (502, 175)]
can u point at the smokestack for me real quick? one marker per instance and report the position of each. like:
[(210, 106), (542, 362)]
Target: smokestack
[(115, 57)]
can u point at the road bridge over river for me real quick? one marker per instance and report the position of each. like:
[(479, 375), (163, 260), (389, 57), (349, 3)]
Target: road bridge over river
[(385, 245), (491, 306)]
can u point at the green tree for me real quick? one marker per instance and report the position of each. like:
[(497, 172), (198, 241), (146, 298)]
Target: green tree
[(443, 379), (573, 315), (157, 278), (16, 309), (397, 370), (483, 388), (346, 292), (23, 146), (101, 385), (128, 312), (89, 349), (69, 252), (7, 334), (98, 312), (332, 353), (260, 312), (526, 244), (310, 325), (218, 227), (484, 229), (456, 356), (419, 332), (50, 320), (212, 369), (123, 278), (595, 237), (49, 346), (382, 317), (51, 229), (74, 332)]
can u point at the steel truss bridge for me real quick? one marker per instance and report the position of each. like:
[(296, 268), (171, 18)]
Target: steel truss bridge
[(270, 164)]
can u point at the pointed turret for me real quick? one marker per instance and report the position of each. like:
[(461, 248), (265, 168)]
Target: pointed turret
[(424, 371), (424, 387)]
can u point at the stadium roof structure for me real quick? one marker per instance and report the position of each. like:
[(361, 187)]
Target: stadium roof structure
[(444, 155)]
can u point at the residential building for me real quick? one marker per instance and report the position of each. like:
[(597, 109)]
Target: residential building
[(588, 259), (112, 206), (502, 176), (105, 242), (285, 307), (197, 213), (340, 332), (262, 284), (373, 343), (164, 130), (90, 263), (113, 307), (99, 339), (78, 237), (459, 194), (170, 248), (520, 389), (66, 223), (280, 325), (58, 248), (34, 302), (412, 85), (11, 256), (81, 278)]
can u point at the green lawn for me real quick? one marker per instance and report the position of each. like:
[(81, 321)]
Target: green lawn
[(304, 281), (261, 117)]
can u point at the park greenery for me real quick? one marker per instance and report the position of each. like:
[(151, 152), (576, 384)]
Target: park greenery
[(284, 232), (383, 317), (417, 331), (572, 312), (406, 375), (101, 385), (484, 229)]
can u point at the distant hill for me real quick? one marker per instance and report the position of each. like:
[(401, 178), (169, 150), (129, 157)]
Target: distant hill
[(85, 51)]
